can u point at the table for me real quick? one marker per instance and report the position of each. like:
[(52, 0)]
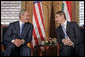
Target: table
[(46, 50)]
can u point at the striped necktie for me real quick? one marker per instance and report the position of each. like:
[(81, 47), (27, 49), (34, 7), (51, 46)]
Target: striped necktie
[(21, 28), (64, 30)]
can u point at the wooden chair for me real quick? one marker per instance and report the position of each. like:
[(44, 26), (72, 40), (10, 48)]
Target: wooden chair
[(58, 48), (3, 47), (3, 31)]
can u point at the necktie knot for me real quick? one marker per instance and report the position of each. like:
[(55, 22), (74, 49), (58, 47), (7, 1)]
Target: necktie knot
[(22, 25), (63, 25)]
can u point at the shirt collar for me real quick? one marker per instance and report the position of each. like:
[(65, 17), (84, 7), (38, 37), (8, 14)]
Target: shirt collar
[(64, 24), (21, 22)]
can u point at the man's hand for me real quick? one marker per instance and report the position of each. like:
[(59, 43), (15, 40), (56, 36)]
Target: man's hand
[(67, 42), (17, 42), (70, 42), (23, 41)]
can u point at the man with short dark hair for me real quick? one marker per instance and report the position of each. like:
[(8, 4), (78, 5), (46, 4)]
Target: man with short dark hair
[(18, 35), (68, 35)]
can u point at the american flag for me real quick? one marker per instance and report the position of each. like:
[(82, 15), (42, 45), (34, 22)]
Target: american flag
[(38, 23)]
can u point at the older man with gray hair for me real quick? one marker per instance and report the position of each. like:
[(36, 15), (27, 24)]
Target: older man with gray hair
[(18, 35)]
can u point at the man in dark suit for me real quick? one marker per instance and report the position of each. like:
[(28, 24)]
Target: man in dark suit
[(68, 35), (18, 35)]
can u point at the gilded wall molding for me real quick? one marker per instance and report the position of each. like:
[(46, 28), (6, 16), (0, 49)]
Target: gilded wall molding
[(75, 11), (22, 4)]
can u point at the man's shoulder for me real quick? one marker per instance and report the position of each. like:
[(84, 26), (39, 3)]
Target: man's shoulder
[(13, 23), (28, 23), (72, 23)]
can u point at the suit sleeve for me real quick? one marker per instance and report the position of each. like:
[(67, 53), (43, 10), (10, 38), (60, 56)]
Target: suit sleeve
[(77, 34), (8, 37), (29, 36), (59, 38)]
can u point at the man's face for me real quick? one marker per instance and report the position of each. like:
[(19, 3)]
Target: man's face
[(59, 18), (25, 17)]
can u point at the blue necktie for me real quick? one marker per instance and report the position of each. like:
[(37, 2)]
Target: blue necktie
[(21, 28), (64, 30)]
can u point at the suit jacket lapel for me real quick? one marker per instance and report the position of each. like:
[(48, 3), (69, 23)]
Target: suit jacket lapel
[(67, 28), (17, 27), (61, 30), (25, 30)]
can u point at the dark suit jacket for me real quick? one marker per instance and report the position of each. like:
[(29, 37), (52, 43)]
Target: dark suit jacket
[(13, 32), (72, 30)]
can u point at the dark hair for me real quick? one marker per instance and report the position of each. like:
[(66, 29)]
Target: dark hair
[(61, 13)]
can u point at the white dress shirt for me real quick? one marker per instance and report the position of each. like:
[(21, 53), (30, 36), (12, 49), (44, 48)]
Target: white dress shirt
[(20, 23), (65, 25)]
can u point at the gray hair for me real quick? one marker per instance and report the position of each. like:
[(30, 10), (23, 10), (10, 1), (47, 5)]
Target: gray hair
[(22, 12)]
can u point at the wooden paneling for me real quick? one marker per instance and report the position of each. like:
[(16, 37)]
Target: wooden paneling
[(75, 11)]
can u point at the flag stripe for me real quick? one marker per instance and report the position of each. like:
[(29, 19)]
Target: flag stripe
[(40, 21), (41, 14), (35, 37), (35, 28), (32, 46), (38, 26), (36, 31), (33, 42)]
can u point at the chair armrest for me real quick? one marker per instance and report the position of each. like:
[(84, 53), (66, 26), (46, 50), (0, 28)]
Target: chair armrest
[(58, 46), (2, 48)]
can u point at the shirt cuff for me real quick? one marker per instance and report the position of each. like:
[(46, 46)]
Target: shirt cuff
[(73, 44), (23, 41), (12, 41)]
